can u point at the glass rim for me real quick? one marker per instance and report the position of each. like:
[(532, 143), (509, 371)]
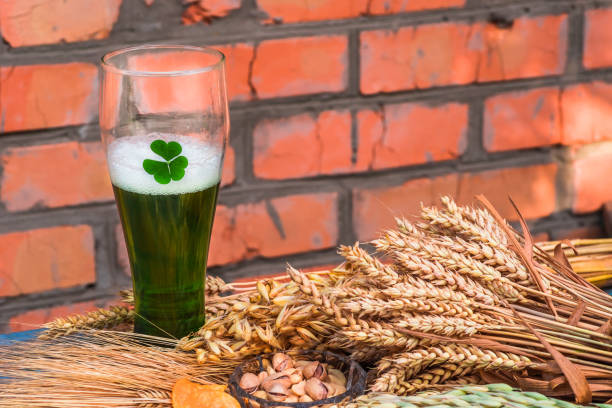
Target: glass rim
[(107, 65)]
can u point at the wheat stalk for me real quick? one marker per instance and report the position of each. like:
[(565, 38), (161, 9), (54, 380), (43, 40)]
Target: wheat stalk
[(99, 319), (431, 250), (99, 368)]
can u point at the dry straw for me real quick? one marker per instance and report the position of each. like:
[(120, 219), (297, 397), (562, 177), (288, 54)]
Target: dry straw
[(98, 369)]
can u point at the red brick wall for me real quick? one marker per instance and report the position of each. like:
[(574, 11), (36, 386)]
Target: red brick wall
[(344, 114)]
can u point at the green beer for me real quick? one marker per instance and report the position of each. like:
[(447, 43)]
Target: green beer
[(167, 229)]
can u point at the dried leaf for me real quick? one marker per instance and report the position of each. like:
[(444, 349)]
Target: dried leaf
[(562, 259), (575, 377), (605, 328), (576, 315), (526, 252), (560, 254)]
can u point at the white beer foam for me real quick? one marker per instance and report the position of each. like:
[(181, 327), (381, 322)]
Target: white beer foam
[(126, 154)]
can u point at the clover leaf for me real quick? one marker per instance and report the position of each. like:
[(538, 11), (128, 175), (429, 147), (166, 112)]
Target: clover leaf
[(172, 168)]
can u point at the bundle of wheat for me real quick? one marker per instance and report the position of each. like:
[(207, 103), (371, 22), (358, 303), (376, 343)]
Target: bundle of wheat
[(459, 297), (461, 294)]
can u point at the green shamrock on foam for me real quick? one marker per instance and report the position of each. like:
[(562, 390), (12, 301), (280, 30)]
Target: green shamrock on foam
[(173, 168)]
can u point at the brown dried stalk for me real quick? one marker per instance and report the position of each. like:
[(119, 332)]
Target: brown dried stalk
[(99, 319)]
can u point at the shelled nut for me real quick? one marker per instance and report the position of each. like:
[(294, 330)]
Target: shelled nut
[(249, 382), (316, 389), (284, 380)]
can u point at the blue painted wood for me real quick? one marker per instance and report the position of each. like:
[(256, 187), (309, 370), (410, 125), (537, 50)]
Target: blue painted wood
[(19, 336)]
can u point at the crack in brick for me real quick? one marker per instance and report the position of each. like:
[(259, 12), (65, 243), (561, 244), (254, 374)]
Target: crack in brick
[(40, 112), (278, 224), (494, 49), (26, 12), (2, 112), (354, 138), (319, 157), (247, 249), (9, 73), (307, 5), (252, 88), (458, 184), (380, 142), (3, 79), (471, 31), (561, 116)]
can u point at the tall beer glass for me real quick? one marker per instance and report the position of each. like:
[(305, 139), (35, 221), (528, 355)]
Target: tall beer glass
[(164, 124)]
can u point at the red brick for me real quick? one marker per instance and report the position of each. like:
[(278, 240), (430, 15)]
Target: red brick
[(44, 96), (378, 7), (587, 113), (34, 319), (532, 188), (238, 58), (301, 65), (521, 120), (410, 133), (309, 222), (295, 11), (532, 47), (54, 175), (405, 59), (35, 22), (591, 167), (597, 37), (44, 259), (457, 53), (303, 145)]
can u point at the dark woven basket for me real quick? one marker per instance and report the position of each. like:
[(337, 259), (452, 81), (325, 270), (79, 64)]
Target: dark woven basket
[(355, 379)]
